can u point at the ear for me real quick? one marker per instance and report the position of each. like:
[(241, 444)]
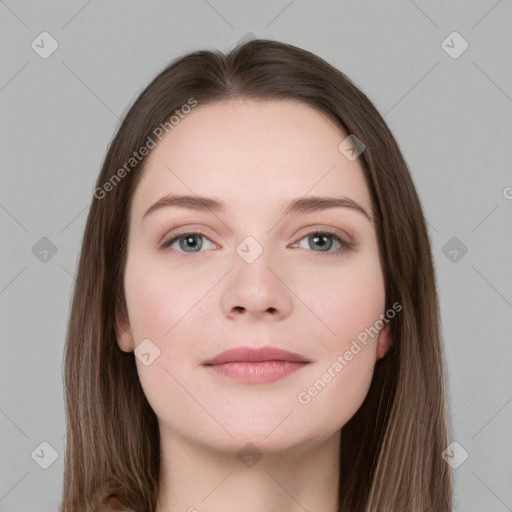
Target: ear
[(123, 333), (383, 342)]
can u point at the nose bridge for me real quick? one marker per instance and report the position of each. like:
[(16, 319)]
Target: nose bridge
[(250, 250), (253, 286), (255, 242), (253, 265)]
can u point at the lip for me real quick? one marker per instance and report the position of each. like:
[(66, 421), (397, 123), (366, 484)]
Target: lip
[(253, 355), (256, 365)]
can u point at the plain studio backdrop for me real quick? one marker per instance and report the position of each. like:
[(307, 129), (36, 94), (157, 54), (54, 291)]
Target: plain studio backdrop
[(440, 74)]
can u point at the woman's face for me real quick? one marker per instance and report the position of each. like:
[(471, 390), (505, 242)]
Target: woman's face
[(257, 276)]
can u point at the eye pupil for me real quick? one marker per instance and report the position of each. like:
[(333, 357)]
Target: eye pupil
[(190, 239), (319, 239)]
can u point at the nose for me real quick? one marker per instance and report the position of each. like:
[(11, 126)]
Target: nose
[(258, 289)]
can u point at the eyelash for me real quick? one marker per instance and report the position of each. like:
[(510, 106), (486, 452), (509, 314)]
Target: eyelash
[(345, 244)]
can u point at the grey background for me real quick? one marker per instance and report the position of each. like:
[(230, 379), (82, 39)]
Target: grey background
[(451, 117)]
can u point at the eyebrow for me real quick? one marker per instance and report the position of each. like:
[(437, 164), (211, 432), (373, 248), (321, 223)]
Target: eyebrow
[(301, 205)]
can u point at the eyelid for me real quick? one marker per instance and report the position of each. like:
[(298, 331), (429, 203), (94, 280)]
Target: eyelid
[(322, 228), (309, 227), (169, 239)]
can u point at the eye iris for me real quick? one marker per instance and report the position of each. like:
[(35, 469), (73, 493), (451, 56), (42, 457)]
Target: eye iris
[(319, 239), (189, 239), (193, 242)]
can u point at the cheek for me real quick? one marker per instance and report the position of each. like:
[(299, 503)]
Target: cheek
[(169, 307), (158, 298), (160, 306), (336, 391), (345, 300), (348, 302)]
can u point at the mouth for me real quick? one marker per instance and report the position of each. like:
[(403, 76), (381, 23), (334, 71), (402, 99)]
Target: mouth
[(256, 365)]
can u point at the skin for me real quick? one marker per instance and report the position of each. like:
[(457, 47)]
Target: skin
[(256, 157)]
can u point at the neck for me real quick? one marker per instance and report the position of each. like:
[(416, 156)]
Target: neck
[(196, 478)]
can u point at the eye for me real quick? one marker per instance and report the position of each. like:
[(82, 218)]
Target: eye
[(186, 242), (324, 241)]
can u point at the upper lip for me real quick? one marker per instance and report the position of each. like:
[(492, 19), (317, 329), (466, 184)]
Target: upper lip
[(251, 354)]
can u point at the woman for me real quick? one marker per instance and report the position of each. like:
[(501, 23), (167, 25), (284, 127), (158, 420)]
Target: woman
[(255, 322)]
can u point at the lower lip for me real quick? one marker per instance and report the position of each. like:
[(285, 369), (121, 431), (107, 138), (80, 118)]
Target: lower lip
[(256, 372)]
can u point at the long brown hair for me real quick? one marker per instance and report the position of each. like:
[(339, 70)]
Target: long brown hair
[(390, 457)]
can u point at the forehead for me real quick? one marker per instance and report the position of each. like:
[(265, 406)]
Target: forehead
[(251, 153)]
